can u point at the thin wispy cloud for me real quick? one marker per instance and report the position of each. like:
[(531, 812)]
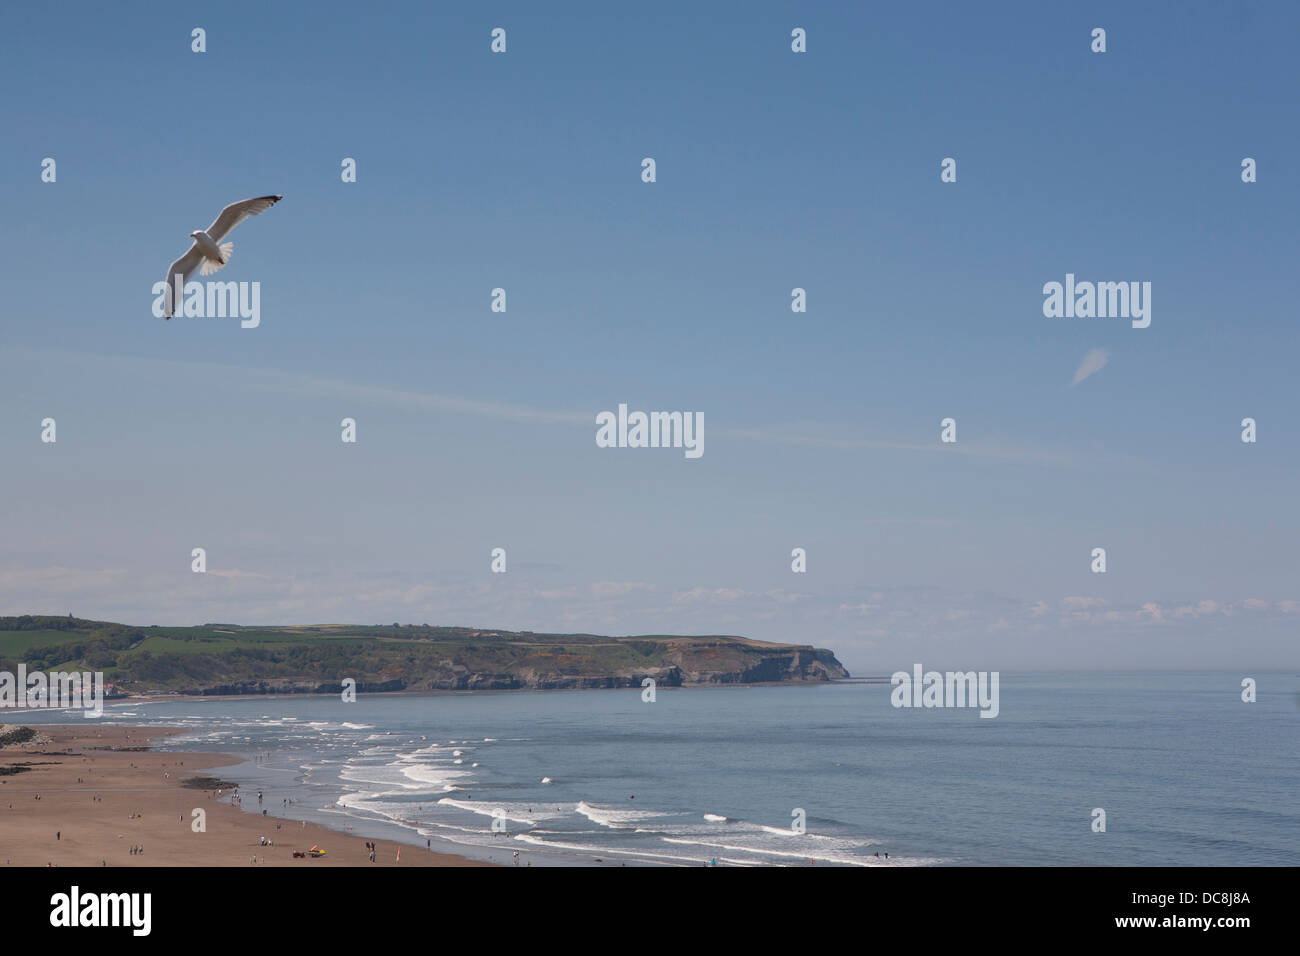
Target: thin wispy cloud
[(1092, 363), (826, 435)]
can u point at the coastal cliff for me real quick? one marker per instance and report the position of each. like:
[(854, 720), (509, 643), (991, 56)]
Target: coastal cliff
[(219, 659)]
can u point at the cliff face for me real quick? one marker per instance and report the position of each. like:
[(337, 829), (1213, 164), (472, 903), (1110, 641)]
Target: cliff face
[(288, 686), (222, 659), (681, 664), (723, 663), (691, 662)]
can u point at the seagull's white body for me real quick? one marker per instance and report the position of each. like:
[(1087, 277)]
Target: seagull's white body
[(210, 248), (209, 253)]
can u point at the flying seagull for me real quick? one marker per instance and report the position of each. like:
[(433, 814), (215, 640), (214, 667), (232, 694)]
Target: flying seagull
[(208, 254)]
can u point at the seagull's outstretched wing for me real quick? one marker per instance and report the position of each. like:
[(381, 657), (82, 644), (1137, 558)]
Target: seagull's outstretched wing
[(183, 266), (237, 212)]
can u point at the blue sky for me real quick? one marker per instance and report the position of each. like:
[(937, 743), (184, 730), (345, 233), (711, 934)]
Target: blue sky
[(775, 170)]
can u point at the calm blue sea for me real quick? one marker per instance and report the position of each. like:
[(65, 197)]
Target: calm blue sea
[(1186, 772)]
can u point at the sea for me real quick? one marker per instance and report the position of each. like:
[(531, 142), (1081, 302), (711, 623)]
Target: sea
[(1092, 769)]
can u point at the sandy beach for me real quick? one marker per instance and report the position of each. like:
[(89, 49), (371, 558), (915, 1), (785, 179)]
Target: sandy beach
[(85, 795)]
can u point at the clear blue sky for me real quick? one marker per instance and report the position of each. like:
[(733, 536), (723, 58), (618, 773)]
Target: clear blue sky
[(775, 170)]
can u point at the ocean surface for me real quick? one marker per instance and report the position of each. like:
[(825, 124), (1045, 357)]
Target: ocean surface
[(1186, 772)]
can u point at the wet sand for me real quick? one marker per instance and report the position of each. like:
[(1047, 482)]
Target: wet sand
[(97, 799)]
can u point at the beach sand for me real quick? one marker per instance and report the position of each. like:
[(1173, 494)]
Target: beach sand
[(67, 827)]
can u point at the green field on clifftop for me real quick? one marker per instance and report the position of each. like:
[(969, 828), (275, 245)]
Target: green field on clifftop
[(225, 658)]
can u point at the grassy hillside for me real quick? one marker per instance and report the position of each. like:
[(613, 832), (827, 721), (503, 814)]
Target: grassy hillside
[(225, 658)]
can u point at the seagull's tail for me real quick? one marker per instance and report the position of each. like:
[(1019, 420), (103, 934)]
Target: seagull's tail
[(212, 265)]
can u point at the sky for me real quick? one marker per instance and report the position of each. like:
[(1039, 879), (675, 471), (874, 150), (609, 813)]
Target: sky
[(774, 170)]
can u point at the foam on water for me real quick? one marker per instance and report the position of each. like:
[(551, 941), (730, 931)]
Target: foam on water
[(391, 758), (612, 818), (511, 814)]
